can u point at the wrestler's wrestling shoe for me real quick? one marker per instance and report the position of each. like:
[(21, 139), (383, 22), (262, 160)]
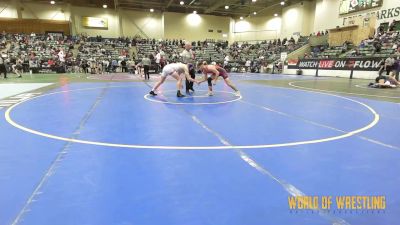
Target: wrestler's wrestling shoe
[(179, 94)]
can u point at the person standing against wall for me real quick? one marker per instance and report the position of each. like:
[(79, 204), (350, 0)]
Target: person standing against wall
[(3, 68), (124, 68), (146, 62), (188, 58), (397, 68)]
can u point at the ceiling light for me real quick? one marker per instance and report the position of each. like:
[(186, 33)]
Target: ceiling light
[(227, 7), (194, 12), (282, 3), (255, 13), (52, 2), (241, 17), (151, 10), (275, 14), (105, 6), (253, 0), (182, 2)]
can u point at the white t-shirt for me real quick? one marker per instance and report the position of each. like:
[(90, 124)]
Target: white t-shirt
[(158, 58), (61, 56)]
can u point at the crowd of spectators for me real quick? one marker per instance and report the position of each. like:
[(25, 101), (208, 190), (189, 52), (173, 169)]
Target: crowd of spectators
[(82, 54), (60, 53), (55, 52), (383, 44), (235, 57), (319, 33)]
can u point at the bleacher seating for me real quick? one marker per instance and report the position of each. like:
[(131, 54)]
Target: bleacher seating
[(41, 51)]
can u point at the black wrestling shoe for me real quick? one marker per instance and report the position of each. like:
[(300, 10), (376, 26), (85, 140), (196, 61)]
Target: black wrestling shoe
[(153, 93), (179, 95)]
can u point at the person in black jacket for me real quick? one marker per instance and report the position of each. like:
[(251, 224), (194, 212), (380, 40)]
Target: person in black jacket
[(3, 69), (124, 67)]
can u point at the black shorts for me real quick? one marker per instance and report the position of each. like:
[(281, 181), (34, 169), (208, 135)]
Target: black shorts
[(3, 68)]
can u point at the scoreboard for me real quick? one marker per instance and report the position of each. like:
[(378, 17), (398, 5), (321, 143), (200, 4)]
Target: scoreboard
[(350, 6)]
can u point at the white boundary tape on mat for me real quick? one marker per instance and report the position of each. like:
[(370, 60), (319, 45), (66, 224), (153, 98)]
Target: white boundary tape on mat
[(292, 84), (35, 132), (147, 97)]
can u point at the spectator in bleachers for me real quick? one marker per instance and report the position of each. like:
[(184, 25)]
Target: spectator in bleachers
[(124, 67), (159, 57), (362, 44), (92, 66), (75, 66), (52, 51), (392, 26), (377, 45), (99, 67), (3, 69), (84, 66), (396, 68), (139, 67), (247, 64), (114, 65), (106, 65), (61, 55), (226, 61), (356, 53), (380, 30), (131, 66)]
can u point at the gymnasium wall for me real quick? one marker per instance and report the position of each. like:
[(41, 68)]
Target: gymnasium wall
[(45, 12), (310, 16), (193, 27), (38, 18), (291, 20), (298, 18), (125, 23), (7, 11), (257, 28), (11, 25), (326, 15), (111, 15), (145, 24)]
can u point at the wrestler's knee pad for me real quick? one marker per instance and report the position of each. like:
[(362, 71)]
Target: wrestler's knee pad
[(209, 81)]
